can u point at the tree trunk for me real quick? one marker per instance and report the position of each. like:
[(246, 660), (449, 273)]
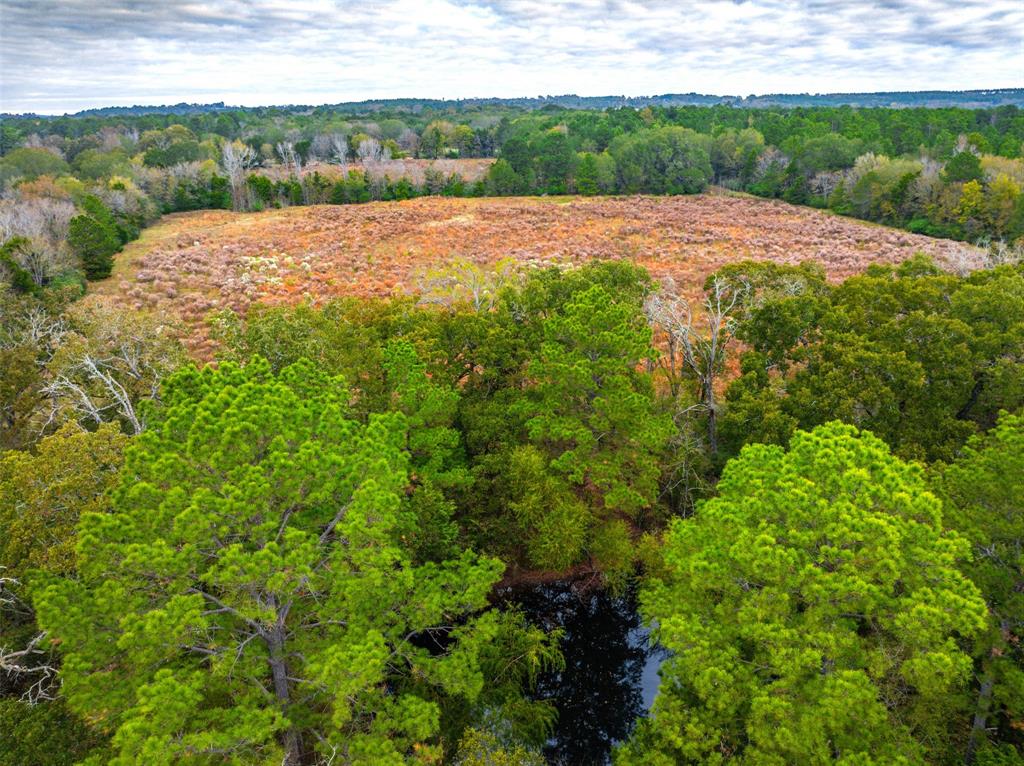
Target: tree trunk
[(977, 736), (291, 739), (712, 405)]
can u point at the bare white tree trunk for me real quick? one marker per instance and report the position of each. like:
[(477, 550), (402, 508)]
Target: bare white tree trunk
[(237, 158), (698, 344)]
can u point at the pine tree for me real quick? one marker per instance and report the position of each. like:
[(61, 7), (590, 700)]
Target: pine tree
[(248, 596), (812, 611), (95, 243)]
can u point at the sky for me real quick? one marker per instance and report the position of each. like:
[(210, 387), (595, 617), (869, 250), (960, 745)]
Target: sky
[(61, 56)]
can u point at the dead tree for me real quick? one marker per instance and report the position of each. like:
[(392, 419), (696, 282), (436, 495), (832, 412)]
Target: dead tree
[(237, 158), (697, 340), (29, 664)]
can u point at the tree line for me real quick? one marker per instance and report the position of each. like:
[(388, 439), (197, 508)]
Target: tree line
[(948, 172)]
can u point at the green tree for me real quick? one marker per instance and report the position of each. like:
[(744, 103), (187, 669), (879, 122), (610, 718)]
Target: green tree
[(30, 163), (20, 278), (502, 180), (919, 357), (482, 748), (42, 495), (985, 492), (668, 160), (555, 161), (964, 166), (95, 243), (248, 596), (586, 175), (45, 733), (593, 430), (812, 611)]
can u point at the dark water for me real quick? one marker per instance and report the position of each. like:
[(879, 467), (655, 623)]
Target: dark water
[(610, 676)]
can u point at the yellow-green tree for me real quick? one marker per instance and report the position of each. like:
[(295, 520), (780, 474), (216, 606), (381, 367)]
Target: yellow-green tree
[(248, 599), (813, 611)]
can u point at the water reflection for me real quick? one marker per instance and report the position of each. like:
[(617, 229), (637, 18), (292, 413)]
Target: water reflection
[(610, 675)]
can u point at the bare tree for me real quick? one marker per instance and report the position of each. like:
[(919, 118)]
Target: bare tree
[(697, 340), (321, 148), (463, 281), (105, 372), (236, 159), (34, 327), (371, 150), (290, 158), (43, 221), (1000, 253), (30, 662), (409, 141), (339, 148)]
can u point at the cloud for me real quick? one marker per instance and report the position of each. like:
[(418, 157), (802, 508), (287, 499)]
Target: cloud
[(58, 55)]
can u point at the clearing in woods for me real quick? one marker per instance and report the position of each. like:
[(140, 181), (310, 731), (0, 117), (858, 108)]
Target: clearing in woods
[(189, 264)]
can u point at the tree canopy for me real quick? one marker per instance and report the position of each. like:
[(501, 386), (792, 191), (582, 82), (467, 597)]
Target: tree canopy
[(246, 596), (812, 610)]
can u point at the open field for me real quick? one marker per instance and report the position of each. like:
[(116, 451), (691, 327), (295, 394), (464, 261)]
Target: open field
[(192, 263)]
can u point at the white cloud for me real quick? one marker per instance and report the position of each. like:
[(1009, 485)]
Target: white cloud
[(58, 55)]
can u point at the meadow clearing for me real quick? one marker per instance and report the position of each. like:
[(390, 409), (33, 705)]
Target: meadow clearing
[(190, 264)]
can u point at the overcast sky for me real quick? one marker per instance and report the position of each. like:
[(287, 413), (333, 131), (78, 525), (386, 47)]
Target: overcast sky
[(66, 55)]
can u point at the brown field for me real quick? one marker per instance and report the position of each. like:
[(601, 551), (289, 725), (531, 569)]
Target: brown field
[(191, 263)]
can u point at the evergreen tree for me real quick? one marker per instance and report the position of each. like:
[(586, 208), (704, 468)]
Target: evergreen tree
[(95, 243), (812, 611), (248, 596), (964, 166), (591, 467), (586, 175)]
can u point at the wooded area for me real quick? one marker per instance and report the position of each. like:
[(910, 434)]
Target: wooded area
[(303, 552)]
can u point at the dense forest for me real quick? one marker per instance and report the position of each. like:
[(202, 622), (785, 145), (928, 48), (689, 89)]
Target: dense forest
[(303, 553), (288, 556)]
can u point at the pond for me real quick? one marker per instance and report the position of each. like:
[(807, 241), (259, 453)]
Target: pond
[(611, 673)]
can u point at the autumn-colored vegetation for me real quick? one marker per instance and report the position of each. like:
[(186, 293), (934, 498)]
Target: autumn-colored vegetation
[(193, 263)]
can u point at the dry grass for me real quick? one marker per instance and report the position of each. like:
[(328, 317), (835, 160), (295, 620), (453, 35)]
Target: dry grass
[(192, 263)]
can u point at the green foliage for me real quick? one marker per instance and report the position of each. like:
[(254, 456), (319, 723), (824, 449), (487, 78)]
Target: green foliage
[(46, 733), (31, 163), (582, 458), (174, 154), (663, 161), (985, 495), (43, 494), (964, 166), (95, 243), (94, 164), (28, 333), (20, 381), (482, 748), (20, 278), (248, 594), (502, 179), (919, 357), (812, 610)]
